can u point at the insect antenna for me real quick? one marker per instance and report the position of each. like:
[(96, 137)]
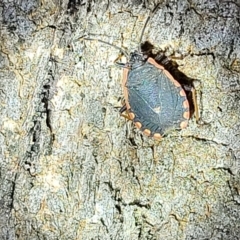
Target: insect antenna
[(144, 27), (110, 44)]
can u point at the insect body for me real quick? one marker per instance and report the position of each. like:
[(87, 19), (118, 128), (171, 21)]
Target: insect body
[(154, 100)]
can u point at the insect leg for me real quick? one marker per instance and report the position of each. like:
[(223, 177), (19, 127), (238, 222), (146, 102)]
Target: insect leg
[(124, 109)]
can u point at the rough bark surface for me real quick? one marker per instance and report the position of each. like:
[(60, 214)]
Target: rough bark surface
[(71, 168)]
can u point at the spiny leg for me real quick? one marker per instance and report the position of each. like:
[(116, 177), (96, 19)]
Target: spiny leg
[(127, 115), (120, 64)]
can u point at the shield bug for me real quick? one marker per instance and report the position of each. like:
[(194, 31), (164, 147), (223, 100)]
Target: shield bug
[(154, 100)]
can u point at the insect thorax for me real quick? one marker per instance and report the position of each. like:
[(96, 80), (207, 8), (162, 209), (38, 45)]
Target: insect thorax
[(137, 59)]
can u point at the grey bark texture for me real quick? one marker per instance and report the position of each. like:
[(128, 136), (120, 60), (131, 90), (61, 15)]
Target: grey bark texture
[(71, 167)]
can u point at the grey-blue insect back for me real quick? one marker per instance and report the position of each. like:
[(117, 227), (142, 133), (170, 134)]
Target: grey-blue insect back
[(154, 100)]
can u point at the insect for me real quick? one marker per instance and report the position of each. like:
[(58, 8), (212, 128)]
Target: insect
[(154, 100)]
